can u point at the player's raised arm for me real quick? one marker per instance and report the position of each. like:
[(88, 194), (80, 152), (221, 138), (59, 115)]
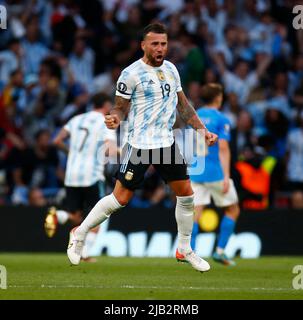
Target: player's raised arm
[(118, 113), (190, 117)]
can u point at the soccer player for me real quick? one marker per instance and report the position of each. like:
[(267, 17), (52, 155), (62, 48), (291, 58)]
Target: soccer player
[(90, 140), (150, 89), (215, 180)]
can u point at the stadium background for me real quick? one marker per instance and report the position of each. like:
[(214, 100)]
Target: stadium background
[(56, 54)]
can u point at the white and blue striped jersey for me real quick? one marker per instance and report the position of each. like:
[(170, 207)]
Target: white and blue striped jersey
[(153, 95), (85, 163)]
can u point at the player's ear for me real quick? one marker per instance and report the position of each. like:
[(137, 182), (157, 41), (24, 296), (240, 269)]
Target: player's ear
[(143, 45)]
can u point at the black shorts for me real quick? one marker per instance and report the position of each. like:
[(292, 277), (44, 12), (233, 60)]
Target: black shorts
[(83, 198), (168, 162)]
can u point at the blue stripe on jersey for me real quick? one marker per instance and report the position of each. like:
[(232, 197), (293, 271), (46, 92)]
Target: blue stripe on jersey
[(76, 153), (84, 150), (149, 96), (72, 124), (172, 119), (75, 145), (126, 158), (165, 106), (98, 145)]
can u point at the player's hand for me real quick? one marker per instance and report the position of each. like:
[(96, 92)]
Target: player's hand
[(112, 121), (211, 138), (225, 185)]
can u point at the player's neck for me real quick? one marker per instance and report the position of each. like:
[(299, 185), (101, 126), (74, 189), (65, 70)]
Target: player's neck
[(104, 112), (149, 63), (212, 106)]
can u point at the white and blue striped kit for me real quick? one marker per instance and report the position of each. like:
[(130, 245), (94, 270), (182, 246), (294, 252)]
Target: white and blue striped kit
[(85, 164), (153, 95)]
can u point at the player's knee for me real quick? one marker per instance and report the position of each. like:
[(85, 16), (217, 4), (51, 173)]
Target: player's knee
[(183, 189), (122, 194), (122, 199), (233, 211)]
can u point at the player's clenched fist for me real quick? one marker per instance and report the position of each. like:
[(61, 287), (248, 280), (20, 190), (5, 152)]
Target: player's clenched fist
[(211, 138), (112, 121)]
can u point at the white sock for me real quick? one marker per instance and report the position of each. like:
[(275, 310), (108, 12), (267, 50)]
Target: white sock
[(62, 216), (185, 219), (100, 212), (88, 243)]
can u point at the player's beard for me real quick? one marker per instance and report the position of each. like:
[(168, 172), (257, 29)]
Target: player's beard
[(154, 61)]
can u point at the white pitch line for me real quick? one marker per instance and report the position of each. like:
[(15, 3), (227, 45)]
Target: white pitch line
[(148, 287)]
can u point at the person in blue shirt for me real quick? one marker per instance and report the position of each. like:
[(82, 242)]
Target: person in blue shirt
[(215, 182)]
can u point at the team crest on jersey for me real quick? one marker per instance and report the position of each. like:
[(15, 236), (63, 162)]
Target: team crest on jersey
[(129, 175), (160, 75)]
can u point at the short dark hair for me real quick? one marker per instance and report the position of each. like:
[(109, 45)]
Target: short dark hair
[(155, 28), (40, 132), (210, 91), (99, 99)]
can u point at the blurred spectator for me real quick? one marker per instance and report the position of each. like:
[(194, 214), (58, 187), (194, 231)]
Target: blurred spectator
[(227, 45), (47, 108), (36, 166), (79, 99), (254, 180), (277, 127), (36, 198), (10, 60), (34, 50), (82, 63), (106, 82), (241, 81), (55, 54), (242, 136), (231, 109), (295, 163), (193, 94)]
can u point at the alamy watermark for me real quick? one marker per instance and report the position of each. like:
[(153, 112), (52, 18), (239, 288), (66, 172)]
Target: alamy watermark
[(297, 22), (190, 146), (3, 17), (3, 277), (297, 282)]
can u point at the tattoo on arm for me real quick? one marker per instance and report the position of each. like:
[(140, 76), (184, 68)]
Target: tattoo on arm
[(121, 107), (188, 113)]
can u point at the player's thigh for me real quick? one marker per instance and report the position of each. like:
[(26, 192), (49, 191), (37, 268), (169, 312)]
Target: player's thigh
[(223, 199), (74, 199), (122, 194), (92, 195), (133, 167), (173, 170), (182, 188), (201, 194)]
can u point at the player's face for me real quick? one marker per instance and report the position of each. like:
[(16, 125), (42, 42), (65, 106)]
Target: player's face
[(155, 48)]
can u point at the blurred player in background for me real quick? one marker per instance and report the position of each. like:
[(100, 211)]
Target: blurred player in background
[(84, 181), (150, 89), (215, 181)]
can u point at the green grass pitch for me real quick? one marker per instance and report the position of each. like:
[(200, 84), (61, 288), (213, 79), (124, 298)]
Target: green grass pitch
[(49, 276)]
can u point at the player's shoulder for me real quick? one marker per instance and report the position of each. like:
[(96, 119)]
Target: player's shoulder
[(137, 65), (170, 65), (75, 119), (223, 117)]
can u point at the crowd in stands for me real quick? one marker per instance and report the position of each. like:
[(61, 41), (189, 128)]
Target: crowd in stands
[(55, 55)]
